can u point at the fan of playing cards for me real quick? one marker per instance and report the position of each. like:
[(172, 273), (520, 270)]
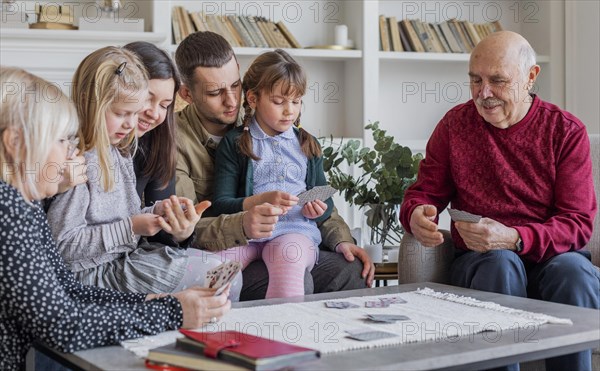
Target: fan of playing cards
[(219, 277), (463, 216), (316, 193)]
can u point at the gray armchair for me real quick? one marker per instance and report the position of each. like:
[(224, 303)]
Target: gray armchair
[(417, 263)]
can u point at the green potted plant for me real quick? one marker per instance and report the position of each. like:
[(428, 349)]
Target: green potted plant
[(387, 171)]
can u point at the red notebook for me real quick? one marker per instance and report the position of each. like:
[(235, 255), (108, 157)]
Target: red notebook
[(256, 353)]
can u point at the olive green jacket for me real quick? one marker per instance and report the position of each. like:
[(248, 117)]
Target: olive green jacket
[(194, 180)]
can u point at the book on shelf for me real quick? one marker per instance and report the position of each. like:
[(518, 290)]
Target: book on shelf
[(232, 31), (264, 30), (404, 38), (182, 23), (440, 35), (238, 30), (466, 45), (414, 35), (220, 350), (175, 25), (423, 35), (252, 26), (413, 38), (288, 35), (475, 38), (236, 22), (394, 34), (450, 38), (468, 36), (199, 21), (383, 34), (278, 37), (435, 41), (188, 25)]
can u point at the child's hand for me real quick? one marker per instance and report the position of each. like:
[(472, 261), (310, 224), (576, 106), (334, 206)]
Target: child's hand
[(146, 224), (283, 200), (75, 173), (314, 209), (180, 216)]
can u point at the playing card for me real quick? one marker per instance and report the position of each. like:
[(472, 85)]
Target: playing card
[(368, 335), (316, 193), (463, 216), (376, 304), (340, 304), (220, 276), (387, 318), (393, 300)]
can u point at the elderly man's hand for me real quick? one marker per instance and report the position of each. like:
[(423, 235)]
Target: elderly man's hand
[(487, 235), (423, 226), (350, 251)]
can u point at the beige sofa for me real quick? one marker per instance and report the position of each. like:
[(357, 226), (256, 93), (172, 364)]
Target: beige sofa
[(417, 263)]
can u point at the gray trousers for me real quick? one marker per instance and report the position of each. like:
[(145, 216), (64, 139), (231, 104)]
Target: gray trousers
[(332, 273)]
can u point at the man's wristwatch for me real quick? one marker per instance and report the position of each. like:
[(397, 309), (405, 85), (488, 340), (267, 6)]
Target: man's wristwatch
[(519, 245)]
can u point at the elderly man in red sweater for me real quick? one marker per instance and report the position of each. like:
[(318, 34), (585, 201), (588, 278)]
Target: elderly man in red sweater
[(523, 164)]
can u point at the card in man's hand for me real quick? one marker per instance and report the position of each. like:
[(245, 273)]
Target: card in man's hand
[(463, 216), (219, 277), (316, 193)]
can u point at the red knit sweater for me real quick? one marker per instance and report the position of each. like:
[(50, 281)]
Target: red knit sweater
[(535, 176)]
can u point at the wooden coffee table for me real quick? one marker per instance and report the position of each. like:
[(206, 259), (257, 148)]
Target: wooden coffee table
[(469, 352)]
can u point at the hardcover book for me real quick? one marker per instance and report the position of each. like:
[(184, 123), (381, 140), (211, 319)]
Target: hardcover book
[(171, 355), (244, 350)]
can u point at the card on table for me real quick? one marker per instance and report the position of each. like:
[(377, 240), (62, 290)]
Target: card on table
[(368, 335), (376, 304), (387, 318), (220, 276), (393, 300), (340, 304), (463, 216), (316, 193)]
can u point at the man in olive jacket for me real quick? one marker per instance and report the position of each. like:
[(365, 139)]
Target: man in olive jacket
[(212, 88)]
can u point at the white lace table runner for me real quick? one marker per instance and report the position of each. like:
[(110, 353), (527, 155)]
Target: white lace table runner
[(432, 316)]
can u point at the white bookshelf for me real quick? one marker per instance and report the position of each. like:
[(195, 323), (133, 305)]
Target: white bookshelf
[(347, 88)]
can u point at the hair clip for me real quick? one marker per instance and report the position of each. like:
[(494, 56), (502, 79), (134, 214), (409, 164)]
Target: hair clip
[(121, 68), (299, 126), (246, 128)]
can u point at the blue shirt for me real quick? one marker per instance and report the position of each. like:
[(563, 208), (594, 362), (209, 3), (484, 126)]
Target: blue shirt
[(282, 167)]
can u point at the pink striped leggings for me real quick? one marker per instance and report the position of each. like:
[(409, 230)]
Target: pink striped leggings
[(287, 257)]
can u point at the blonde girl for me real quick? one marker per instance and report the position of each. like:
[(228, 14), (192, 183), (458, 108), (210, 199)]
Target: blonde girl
[(98, 225)]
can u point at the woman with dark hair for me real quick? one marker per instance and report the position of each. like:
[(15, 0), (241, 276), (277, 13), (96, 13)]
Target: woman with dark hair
[(156, 158)]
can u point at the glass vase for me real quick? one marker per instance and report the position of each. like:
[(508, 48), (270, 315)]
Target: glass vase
[(381, 224)]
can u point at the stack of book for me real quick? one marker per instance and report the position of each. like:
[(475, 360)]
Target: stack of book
[(228, 350), (239, 30), (451, 36)]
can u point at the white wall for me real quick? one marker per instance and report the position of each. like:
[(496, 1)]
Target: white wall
[(583, 61)]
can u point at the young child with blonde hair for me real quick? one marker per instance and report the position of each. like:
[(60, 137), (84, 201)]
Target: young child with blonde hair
[(98, 225)]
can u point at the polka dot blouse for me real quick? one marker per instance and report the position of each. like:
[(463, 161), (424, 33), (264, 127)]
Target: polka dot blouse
[(41, 301)]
